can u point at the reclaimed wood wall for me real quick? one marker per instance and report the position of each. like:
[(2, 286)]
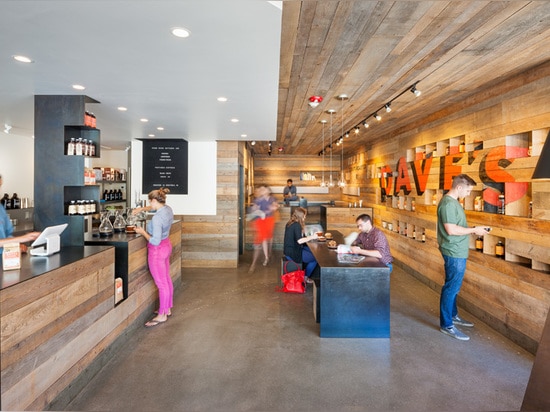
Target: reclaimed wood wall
[(503, 132), (213, 241)]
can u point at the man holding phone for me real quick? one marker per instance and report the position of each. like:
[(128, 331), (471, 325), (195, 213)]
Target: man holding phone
[(453, 238)]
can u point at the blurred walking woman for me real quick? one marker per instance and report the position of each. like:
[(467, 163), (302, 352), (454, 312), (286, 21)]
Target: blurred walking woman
[(159, 250)]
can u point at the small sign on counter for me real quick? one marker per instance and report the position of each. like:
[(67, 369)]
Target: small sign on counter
[(11, 256)]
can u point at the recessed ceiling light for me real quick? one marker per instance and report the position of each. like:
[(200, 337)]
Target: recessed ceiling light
[(144, 120), (78, 87), (122, 108), (160, 128), (22, 59), (180, 32), (151, 135), (244, 135), (235, 120), (222, 99)]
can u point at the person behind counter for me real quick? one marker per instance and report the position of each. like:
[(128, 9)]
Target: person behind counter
[(371, 241), (159, 250), (289, 192), (294, 247), (6, 231)]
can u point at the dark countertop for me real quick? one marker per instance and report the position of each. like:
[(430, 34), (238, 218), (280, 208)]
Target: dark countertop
[(32, 266), (116, 238), (329, 258)]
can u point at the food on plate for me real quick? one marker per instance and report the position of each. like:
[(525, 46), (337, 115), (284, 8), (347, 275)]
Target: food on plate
[(328, 235), (332, 243)]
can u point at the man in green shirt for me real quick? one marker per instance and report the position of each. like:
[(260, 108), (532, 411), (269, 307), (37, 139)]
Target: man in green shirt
[(453, 239)]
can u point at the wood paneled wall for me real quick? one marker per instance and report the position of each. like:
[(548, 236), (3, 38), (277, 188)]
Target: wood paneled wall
[(214, 240), (511, 295), (276, 169)]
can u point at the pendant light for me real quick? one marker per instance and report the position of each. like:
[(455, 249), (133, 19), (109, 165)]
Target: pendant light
[(331, 182), (342, 181), (323, 183)]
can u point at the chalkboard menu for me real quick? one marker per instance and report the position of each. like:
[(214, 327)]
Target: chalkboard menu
[(165, 163)]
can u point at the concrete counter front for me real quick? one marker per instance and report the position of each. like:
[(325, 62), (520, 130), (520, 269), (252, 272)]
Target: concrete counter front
[(59, 322), (354, 298)]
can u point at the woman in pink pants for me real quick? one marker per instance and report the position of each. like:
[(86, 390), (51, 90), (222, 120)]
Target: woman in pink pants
[(159, 250)]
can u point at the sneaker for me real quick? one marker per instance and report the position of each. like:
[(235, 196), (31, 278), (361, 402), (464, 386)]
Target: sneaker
[(455, 333), (462, 322), (308, 280)]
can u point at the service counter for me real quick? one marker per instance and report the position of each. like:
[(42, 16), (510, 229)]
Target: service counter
[(351, 300), (59, 321)]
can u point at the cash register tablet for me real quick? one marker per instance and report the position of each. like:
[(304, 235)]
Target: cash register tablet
[(48, 242)]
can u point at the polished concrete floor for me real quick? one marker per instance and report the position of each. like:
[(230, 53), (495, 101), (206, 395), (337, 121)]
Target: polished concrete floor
[(236, 344)]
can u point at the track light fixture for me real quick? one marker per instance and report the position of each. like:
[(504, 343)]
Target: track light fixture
[(415, 91), (356, 129), (412, 88)]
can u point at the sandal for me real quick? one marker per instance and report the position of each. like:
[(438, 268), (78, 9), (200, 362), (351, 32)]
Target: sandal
[(153, 322)]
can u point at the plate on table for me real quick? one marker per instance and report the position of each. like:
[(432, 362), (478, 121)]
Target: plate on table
[(321, 239), (332, 247)]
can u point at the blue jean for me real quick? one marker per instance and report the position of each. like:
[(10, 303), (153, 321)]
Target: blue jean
[(308, 261), (454, 274)]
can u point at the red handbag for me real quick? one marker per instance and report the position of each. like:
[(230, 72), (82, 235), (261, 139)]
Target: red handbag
[(293, 282)]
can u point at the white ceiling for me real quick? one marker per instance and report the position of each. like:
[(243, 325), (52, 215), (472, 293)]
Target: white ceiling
[(125, 55)]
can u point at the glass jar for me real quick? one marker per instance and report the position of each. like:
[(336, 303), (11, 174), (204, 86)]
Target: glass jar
[(106, 227), (119, 224)]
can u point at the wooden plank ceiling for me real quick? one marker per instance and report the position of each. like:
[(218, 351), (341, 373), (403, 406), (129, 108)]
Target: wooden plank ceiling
[(373, 51)]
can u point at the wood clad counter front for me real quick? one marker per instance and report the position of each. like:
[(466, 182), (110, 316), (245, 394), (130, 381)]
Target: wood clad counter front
[(57, 328)]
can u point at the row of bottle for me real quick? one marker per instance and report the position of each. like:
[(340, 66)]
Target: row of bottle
[(499, 247), (80, 147), (116, 194), (81, 207), (11, 203), (89, 119)]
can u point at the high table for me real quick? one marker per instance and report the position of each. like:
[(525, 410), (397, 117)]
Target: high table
[(354, 298)]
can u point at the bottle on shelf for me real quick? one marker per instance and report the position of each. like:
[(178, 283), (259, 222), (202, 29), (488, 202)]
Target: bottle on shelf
[(87, 119), (462, 147), (501, 204), (105, 194), (15, 202), (530, 215), (79, 150), (80, 207), (423, 237), (478, 204), (499, 250), (479, 244), (6, 201), (72, 208), (71, 147)]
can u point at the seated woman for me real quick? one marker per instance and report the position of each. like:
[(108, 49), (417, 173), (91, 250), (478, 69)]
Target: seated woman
[(294, 242)]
